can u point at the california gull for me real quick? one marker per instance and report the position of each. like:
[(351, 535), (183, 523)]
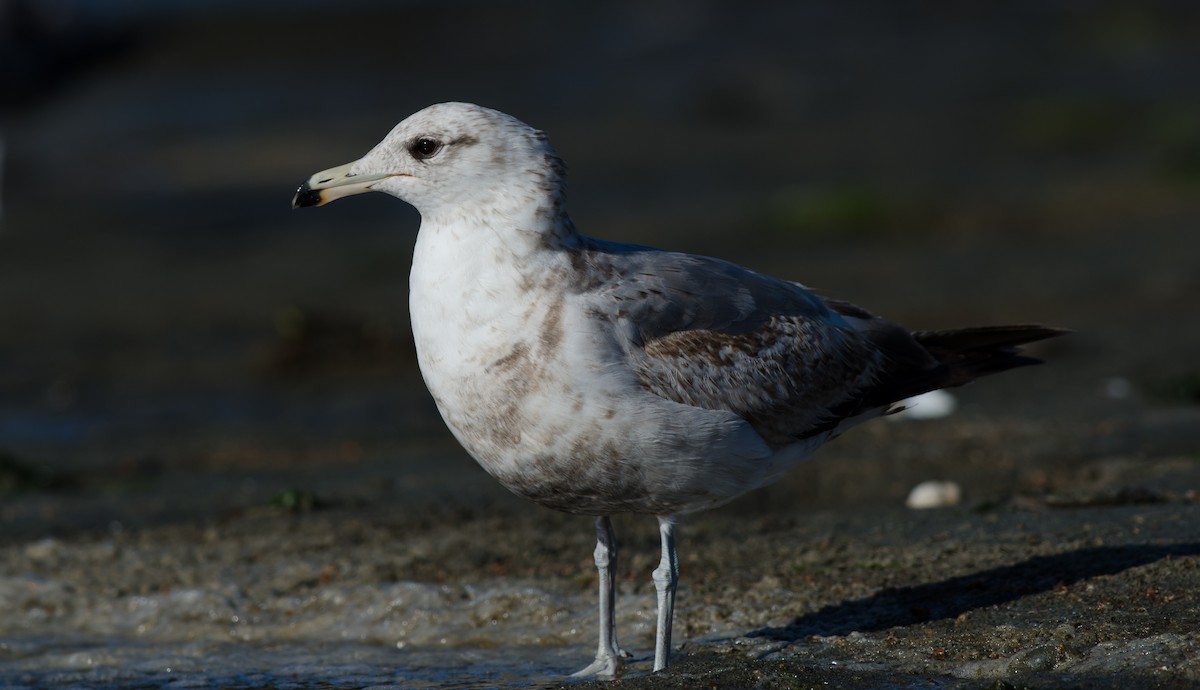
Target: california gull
[(598, 378)]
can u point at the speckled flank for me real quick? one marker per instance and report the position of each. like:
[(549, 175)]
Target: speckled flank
[(517, 357), (516, 373), (569, 483), (551, 333)]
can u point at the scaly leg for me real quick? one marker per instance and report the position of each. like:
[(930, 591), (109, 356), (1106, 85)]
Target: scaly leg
[(666, 576), (608, 653)]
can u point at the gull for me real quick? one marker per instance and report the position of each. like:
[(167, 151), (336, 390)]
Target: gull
[(598, 378)]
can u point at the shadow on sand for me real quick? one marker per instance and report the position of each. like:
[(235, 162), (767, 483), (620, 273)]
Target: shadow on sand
[(896, 607)]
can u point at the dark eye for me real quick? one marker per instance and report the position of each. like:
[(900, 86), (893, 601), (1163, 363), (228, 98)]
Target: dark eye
[(424, 147)]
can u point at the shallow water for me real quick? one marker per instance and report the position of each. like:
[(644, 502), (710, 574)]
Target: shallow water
[(502, 634), (107, 663), (248, 619)]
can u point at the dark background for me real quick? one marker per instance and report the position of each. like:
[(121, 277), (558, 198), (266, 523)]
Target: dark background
[(175, 341)]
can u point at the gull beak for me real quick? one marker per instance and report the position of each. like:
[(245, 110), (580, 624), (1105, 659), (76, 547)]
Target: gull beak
[(334, 183)]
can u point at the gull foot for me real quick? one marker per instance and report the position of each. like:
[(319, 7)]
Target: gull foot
[(605, 666)]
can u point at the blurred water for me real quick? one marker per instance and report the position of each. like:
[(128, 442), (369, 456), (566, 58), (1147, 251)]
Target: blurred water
[(29, 426), (104, 663), (502, 634)]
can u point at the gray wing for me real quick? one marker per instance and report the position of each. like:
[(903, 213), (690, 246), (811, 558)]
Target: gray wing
[(714, 335)]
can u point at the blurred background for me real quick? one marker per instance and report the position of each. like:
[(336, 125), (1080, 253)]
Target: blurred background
[(176, 342)]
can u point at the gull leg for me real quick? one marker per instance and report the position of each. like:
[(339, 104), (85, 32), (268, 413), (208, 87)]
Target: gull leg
[(608, 652), (666, 576), (606, 538)]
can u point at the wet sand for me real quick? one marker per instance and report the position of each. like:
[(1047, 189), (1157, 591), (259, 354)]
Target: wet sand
[(217, 458)]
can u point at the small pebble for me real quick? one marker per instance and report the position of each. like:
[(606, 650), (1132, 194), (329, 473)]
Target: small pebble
[(43, 549), (934, 494)]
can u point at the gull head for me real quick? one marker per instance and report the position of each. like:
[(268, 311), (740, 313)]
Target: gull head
[(449, 155)]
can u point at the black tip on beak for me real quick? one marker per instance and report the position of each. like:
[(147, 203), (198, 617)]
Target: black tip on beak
[(306, 196)]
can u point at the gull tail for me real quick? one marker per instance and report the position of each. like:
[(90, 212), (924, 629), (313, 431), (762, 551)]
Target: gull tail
[(969, 353), (923, 361)]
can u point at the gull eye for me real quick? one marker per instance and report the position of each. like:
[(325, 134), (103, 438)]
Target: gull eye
[(424, 147)]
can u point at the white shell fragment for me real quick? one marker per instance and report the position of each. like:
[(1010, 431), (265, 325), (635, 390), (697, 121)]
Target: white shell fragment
[(934, 494)]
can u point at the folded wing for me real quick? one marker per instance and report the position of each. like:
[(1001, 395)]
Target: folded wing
[(711, 334)]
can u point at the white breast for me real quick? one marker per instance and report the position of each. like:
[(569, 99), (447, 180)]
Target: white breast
[(488, 349)]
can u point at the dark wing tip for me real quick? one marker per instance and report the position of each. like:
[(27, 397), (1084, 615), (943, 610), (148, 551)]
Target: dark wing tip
[(987, 337)]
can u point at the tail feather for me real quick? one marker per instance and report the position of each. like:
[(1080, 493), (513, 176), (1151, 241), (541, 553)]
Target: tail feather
[(952, 358), (969, 353), (987, 337), (923, 361)]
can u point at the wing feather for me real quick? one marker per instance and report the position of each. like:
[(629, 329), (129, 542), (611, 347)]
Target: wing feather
[(711, 334)]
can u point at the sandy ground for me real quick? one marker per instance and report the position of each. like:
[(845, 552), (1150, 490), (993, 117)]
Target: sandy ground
[(208, 403)]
